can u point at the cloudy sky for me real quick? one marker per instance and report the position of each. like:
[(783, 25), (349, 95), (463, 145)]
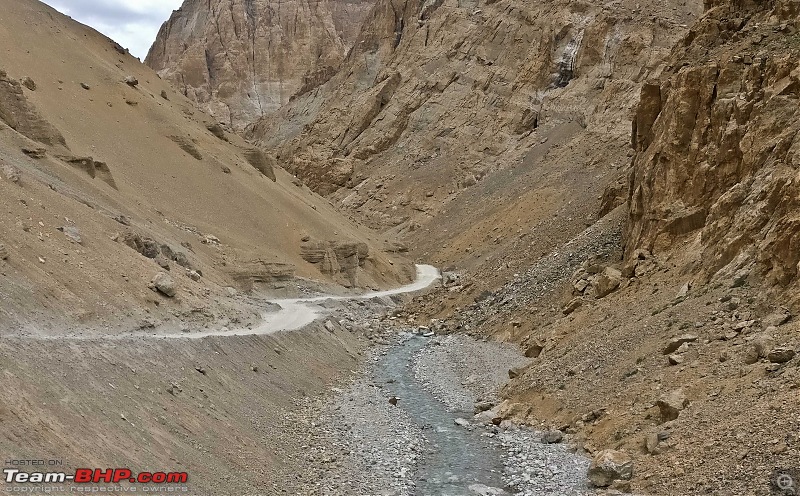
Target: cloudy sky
[(132, 23)]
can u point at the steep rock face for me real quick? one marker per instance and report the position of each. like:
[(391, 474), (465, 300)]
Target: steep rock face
[(717, 145), (241, 59), (438, 95), (341, 260)]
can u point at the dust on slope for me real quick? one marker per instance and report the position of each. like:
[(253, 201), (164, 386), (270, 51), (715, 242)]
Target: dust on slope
[(161, 178)]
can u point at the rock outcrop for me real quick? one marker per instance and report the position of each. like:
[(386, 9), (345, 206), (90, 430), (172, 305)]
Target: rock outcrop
[(241, 59), (337, 258), (716, 146), (22, 116), (515, 71), (609, 466)]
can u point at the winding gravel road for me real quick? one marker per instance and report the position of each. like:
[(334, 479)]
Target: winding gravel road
[(296, 313)]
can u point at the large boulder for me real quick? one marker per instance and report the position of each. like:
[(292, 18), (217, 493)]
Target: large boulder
[(781, 355), (676, 343), (164, 284), (607, 282), (608, 466), (671, 404)]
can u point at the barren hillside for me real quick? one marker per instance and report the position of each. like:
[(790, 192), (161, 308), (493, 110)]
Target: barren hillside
[(609, 187), (462, 127), (109, 177)]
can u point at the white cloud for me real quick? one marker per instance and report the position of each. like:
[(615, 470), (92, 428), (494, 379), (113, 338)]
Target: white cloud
[(133, 24)]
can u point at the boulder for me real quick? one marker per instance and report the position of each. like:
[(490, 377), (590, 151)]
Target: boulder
[(552, 437), (781, 355), (462, 423), (757, 348), (147, 247), (676, 343), (3, 252), (483, 406), (608, 466), (580, 285), (72, 233), (131, 81), (651, 443), (514, 372), (162, 262), (534, 350), (28, 83), (10, 172), (675, 359), (776, 319), (573, 305), (671, 404), (216, 129), (164, 284), (449, 279), (607, 282)]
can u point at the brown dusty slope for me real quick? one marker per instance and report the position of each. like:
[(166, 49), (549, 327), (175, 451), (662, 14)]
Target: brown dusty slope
[(158, 181)]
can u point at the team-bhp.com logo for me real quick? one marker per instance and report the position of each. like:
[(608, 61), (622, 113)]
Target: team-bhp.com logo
[(94, 476)]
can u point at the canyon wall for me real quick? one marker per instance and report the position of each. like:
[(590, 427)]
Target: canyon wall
[(241, 60), (717, 146)]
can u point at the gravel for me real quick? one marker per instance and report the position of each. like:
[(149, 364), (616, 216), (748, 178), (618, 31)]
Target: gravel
[(461, 371), (357, 442)]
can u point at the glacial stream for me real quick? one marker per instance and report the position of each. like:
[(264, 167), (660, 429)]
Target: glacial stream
[(459, 462)]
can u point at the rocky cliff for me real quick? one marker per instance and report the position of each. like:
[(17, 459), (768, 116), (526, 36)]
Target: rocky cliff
[(240, 60), (716, 146), (456, 125)]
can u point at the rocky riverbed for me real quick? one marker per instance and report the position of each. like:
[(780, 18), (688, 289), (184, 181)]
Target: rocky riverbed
[(419, 419)]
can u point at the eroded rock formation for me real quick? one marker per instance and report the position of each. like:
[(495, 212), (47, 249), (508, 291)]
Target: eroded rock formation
[(438, 95), (337, 259), (717, 142), (241, 59)]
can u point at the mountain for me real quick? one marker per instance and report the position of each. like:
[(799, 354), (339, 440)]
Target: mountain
[(462, 127), (110, 176), (609, 186), (241, 60)]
